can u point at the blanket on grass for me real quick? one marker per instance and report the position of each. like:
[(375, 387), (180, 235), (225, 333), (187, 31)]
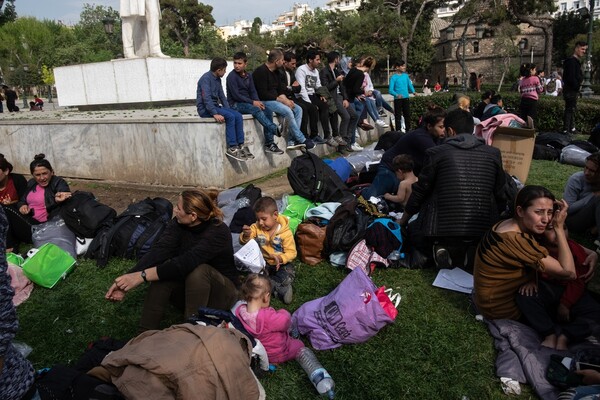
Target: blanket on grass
[(521, 356)]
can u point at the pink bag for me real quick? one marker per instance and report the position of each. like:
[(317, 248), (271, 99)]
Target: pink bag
[(351, 313)]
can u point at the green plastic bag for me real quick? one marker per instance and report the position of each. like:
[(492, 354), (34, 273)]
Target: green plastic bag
[(14, 259), (48, 265), (296, 209)]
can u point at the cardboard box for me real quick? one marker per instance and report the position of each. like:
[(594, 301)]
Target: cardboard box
[(516, 146)]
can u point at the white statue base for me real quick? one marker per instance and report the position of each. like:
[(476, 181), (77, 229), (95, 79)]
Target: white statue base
[(129, 81)]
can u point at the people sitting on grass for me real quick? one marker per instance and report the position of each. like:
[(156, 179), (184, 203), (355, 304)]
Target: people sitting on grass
[(190, 265), (270, 326), (509, 255), (459, 195), (495, 107), (211, 102), (415, 144), (42, 199), (12, 189), (403, 166), (562, 312), (272, 233), (581, 193)]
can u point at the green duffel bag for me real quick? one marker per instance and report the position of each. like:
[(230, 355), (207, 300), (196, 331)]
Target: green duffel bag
[(47, 265), (295, 210)]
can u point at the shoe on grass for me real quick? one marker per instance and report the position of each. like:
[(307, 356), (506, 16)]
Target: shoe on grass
[(236, 153), (441, 256), (273, 148)]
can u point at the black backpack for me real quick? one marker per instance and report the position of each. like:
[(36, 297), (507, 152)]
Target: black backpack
[(346, 227), (84, 215), (545, 152), (133, 232), (314, 180)]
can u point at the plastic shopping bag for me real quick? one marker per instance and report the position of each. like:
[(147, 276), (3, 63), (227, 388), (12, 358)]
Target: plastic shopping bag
[(48, 264)]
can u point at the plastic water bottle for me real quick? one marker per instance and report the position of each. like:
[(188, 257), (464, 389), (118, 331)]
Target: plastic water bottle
[(318, 375)]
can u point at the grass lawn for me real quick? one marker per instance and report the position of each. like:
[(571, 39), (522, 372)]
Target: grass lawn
[(435, 349)]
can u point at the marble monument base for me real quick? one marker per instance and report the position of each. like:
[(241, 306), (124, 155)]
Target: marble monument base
[(129, 81)]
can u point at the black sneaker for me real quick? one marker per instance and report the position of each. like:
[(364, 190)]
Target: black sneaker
[(247, 154), (309, 144), (272, 148), (236, 153), (318, 140)]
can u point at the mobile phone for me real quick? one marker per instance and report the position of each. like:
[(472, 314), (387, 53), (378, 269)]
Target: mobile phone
[(583, 365)]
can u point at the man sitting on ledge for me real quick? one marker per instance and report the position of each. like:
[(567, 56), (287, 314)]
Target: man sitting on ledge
[(211, 102), (242, 96), (271, 91)]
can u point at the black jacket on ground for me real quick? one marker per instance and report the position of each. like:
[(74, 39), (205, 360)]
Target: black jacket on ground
[(181, 249), (460, 189)]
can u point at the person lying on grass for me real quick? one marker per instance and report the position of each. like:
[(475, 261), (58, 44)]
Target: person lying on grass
[(191, 264)]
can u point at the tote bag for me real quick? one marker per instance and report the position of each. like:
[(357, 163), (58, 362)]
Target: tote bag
[(48, 264), (351, 313)]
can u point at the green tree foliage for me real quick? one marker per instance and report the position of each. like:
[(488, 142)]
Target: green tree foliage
[(184, 20), (26, 42), (9, 13), (565, 28), (91, 42)]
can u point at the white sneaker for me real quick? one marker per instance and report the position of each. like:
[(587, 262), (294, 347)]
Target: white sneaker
[(356, 147), (381, 123)]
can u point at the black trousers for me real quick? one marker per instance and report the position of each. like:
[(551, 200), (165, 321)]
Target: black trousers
[(528, 108), (570, 108), (402, 108), (539, 312), (19, 226)]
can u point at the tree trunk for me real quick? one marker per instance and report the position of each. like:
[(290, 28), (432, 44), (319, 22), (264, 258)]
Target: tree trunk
[(544, 22)]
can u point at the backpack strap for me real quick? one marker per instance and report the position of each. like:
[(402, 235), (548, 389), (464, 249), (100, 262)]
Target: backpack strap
[(319, 176)]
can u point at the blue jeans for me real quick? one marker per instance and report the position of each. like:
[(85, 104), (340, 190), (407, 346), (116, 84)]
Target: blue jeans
[(234, 126), (372, 108), (293, 118), (380, 101), (265, 120), (385, 182), (359, 106)]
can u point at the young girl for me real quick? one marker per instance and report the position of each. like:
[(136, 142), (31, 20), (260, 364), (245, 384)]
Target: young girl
[(266, 324), (529, 87)]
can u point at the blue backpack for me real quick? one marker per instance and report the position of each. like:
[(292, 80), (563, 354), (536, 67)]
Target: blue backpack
[(384, 236)]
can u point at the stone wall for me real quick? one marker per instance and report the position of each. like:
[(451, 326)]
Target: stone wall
[(166, 151)]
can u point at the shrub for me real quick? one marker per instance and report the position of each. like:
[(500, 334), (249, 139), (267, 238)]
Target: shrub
[(550, 109)]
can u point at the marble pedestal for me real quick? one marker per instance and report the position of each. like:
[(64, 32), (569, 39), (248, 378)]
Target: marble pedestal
[(129, 81)]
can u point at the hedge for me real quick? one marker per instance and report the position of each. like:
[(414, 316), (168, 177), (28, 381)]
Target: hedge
[(550, 109)]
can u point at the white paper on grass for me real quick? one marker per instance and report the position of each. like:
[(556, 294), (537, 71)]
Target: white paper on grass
[(251, 257), (454, 279)]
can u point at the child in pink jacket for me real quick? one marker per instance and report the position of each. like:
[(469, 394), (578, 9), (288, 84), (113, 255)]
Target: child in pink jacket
[(270, 326)]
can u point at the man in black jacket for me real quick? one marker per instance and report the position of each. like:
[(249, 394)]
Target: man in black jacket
[(460, 191), (572, 79)]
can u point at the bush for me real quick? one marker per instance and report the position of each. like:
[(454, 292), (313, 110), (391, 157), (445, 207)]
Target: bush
[(550, 109)]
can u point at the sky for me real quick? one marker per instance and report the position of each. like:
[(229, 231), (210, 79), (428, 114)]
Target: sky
[(225, 12)]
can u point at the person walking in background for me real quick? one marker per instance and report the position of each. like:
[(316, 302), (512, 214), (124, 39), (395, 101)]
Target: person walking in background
[(401, 88), (572, 79), (530, 88), (211, 102), (11, 99)]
